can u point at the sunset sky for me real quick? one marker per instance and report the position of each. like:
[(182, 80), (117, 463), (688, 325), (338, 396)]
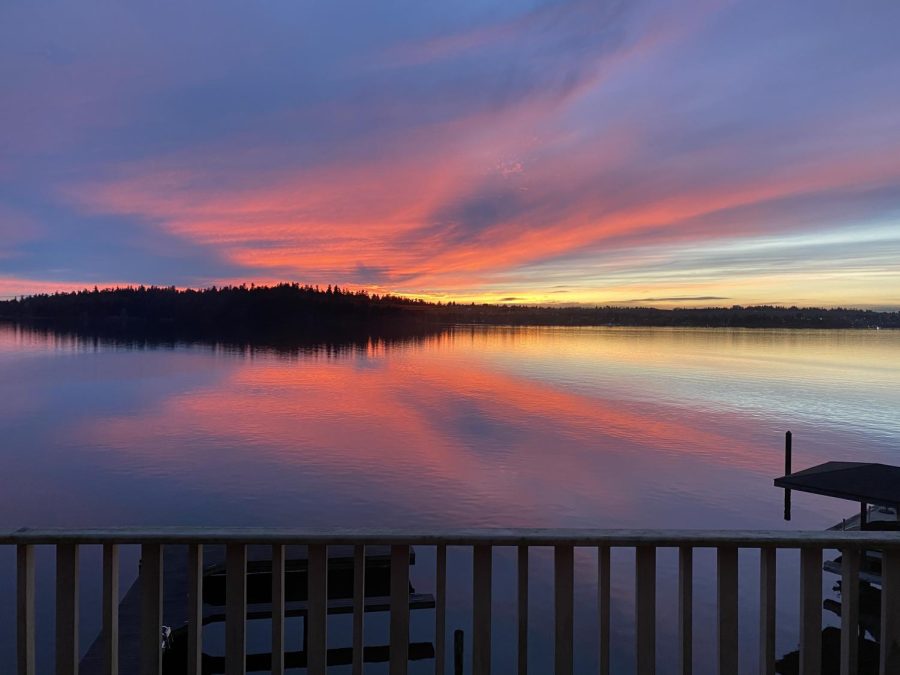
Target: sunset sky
[(691, 153)]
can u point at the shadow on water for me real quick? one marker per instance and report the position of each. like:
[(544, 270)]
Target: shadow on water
[(330, 340)]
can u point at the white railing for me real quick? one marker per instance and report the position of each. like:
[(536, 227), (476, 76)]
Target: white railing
[(644, 542)]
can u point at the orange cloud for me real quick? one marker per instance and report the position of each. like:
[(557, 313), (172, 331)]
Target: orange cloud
[(15, 286), (459, 205), (384, 216)]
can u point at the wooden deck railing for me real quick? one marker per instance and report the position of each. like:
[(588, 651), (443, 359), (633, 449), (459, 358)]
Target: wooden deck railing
[(564, 542)]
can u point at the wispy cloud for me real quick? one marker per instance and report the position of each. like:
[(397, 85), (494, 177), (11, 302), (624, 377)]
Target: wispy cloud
[(484, 151), (679, 298)]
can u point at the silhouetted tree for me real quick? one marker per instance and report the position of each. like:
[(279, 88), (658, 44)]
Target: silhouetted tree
[(303, 308)]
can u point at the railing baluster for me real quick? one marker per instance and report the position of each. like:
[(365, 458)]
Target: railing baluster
[(440, 611), (25, 609), (564, 593), (151, 609), (686, 609), (849, 611), (603, 609), (236, 609), (645, 543), (359, 600), (890, 612), (645, 604), (481, 609), (66, 609), (767, 610), (810, 610), (399, 651), (727, 603), (522, 610), (278, 590), (195, 609), (111, 608), (317, 616)]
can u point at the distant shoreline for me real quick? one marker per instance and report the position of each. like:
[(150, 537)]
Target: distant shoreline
[(293, 310)]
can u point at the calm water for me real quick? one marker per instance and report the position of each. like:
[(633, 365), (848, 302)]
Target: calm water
[(536, 427)]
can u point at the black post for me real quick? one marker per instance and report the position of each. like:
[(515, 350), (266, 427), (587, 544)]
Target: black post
[(458, 652), (787, 472), (863, 515), (787, 453)]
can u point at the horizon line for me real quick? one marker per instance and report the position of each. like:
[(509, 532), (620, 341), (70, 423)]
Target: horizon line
[(510, 301)]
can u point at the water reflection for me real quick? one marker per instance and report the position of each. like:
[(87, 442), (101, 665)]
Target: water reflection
[(462, 426), (469, 426)]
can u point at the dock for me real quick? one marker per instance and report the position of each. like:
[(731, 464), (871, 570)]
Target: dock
[(259, 606), (876, 488)]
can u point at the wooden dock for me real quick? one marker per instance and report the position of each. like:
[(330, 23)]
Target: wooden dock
[(259, 606)]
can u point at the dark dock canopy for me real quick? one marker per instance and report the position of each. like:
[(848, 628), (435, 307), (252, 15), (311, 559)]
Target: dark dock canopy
[(863, 482)]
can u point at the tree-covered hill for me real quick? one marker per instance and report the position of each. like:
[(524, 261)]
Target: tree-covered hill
[(285, 308)]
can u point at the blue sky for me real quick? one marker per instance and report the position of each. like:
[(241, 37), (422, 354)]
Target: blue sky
[(698, 153)]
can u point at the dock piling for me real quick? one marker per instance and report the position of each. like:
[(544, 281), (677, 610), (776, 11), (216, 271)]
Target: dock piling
[(787, 472)]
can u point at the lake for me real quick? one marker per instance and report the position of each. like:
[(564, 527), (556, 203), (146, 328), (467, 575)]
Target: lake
[(472, 426)]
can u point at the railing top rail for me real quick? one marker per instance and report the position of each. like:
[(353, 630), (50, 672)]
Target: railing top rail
[(455, 537)]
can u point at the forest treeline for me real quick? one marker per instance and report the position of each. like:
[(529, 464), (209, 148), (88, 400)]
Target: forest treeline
[(294, 308)]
